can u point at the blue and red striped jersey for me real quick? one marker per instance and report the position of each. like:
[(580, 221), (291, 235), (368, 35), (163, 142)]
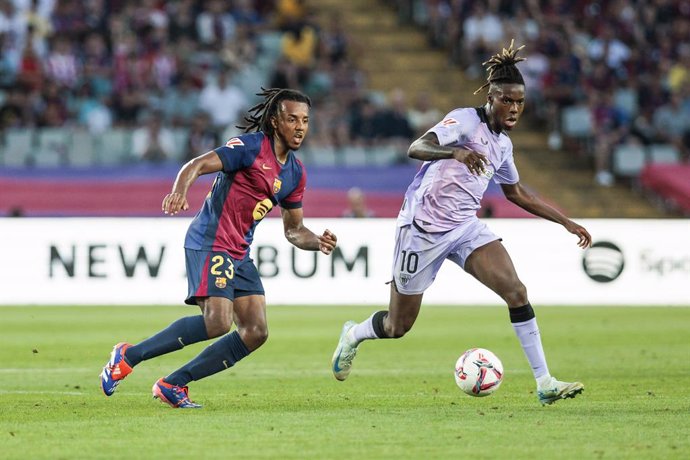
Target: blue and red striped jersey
[(251, 183)]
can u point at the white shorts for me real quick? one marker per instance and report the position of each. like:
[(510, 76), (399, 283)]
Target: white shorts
[(419, 255)]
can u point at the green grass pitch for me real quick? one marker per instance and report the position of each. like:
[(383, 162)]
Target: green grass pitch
[(399, 402)]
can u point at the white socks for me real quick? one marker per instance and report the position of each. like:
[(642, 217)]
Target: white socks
[(362, 331), (530, 340)]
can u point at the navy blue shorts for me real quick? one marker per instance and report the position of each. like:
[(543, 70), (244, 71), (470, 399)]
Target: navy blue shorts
[(216, 274)]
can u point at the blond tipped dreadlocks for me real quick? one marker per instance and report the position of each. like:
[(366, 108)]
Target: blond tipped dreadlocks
[(502, 69), (259, 118)]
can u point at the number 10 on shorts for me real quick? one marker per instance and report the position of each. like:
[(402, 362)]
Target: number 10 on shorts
[(409, 262)]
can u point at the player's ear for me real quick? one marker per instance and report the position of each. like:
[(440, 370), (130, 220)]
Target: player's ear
[(274, 122)]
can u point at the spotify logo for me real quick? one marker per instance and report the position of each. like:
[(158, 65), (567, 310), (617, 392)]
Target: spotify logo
[(603, 262)]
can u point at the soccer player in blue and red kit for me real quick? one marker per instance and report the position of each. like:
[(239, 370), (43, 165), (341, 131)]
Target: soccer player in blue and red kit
[(255, 172), (438, 221)]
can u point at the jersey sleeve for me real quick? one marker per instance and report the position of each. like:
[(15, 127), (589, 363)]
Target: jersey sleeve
[(239, 152), (507, 173), (455, 127), (294, 199)]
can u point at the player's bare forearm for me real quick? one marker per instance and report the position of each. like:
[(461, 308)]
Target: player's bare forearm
[(300, 236), (531, 203), (303, 238), (427, 148), (176, 200)]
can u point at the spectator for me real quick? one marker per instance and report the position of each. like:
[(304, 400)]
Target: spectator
[(672, 123), (357, 205), (215, 25), (222, 100), (90, 110), (393, 120), (423, 115), (182, 19), (334, 41), (482, 32), (181, 102), (61, 64), (610, 128), (153, 142), (365, 122), (13, 111), (299, 47), (201, 138)]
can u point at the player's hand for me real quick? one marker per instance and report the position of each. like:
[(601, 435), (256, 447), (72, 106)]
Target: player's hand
[(474, 161), (581, 232), (174, 203), (327, 242)]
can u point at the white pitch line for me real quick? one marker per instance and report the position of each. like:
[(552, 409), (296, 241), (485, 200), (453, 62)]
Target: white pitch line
[(18, 370), (26, 392)]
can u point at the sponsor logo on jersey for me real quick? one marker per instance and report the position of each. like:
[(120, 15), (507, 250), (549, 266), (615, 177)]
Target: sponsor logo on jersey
[(449, 122), (265, 166), (277, 183), (235, 141), (221, 282), (262, 208)]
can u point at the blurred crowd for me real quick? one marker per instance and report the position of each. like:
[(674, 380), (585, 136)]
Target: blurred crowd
[(625, 63), (156, 67)]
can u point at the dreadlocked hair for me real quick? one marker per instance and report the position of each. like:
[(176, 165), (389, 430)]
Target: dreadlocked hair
[(502, 69), (259, 118)]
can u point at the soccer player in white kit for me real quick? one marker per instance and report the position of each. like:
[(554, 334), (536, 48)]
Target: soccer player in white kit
[(438, 221)]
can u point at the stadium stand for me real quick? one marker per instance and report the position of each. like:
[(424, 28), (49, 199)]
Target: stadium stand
[(599, 75), (669, 186), (78, 78)]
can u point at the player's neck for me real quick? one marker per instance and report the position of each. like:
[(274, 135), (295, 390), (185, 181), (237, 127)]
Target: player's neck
[(491, 118), (280, 150)]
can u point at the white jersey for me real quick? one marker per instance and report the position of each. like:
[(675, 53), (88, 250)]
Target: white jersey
[(444, 193)]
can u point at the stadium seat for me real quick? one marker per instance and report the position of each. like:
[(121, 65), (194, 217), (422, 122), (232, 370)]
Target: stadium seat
[(52, 149), (180, 136), (354, 156), (114, 147), (577, 121), (628, 160), (384, 156), (664, 153), (323, 156), (81, 152), (19, 142)]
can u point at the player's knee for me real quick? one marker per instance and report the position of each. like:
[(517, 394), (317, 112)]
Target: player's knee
[(516, 295), (217, 324), (254, 336), (398, 330)]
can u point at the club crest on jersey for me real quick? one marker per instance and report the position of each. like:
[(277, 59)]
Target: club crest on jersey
[(449, 122), (488, 173), (221, 282), (235, 141), (277, 183), (404, 279)]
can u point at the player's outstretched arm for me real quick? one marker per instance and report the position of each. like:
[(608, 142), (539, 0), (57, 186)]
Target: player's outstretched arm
[(176, 200), (303, 238), (517, 194)]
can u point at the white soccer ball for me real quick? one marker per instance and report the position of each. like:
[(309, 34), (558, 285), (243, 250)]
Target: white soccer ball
[(478, 372)]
